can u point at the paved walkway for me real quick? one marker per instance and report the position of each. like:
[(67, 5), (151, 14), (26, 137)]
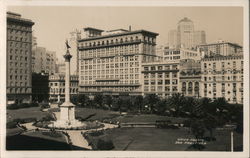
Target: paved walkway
[(75, 135), (78, 140)]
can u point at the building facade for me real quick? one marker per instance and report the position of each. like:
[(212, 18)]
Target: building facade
[(40, 87), (160, 78), (178, 54), (19, 58), (111, 63), (223, 77), (43, 60), (190, 77), (57, 87), (221, 48)]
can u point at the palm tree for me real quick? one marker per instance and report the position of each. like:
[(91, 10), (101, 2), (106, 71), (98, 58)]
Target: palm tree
[(108, 100), (98, 99), (151, 100), (176, 102), (139, 102)]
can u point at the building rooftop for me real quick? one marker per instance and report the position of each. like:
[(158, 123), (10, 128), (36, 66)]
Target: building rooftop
[(91, 28), (11, 16), (119, 34), (221, 42), (185, 19)]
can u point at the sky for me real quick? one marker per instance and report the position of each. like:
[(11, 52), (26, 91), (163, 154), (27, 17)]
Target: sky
[(54, 23)]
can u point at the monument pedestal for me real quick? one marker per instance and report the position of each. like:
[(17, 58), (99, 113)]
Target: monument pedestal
[(67, 117)]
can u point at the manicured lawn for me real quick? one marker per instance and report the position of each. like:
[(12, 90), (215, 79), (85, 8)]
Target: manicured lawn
[(26, 142), (33, 112), (95, 114), (147, 118), (154, 139), (57, 136), (99, 114)]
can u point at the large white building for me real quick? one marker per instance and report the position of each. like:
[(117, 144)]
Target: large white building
[(111, 63), (222, 77)]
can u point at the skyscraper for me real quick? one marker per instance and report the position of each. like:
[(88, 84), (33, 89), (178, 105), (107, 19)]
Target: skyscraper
[(19, 54), (186, 36), (185, 33)]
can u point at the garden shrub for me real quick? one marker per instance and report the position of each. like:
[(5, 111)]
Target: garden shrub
[(103, 144), (96, 133), (52, 134), (22, 105), (11, 124), (25, 120)]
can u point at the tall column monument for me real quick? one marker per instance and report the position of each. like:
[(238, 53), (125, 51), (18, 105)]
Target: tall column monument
[(67, 109)]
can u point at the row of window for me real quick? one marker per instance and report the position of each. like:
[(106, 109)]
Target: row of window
[(223, 78), (21, 71), (110, 60), (19, 90), (14, 45), (18, 84), (117, 89), (107, 66), (19, 52), (161, 82), (223, 64), (18, 58), (62, 90), (160, 88), (110, 71), (166, 67), (15, 28), (160, 75), (18, 64), (117, 40), (110, 83), (62, 84)]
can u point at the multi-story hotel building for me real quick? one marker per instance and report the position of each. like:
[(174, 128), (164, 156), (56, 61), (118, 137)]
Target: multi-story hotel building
[(57, 87), (222, 77), (161, 78), (190, 77), (221, 48), (111, 63), (19, 47)]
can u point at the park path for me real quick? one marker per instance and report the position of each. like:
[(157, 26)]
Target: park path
[(78, 140), (75, 136)]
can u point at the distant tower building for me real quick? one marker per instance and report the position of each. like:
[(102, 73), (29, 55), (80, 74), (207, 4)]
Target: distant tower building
[(19, 54), (185, 36), (199, 37), (172, 38), (43, 60)]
